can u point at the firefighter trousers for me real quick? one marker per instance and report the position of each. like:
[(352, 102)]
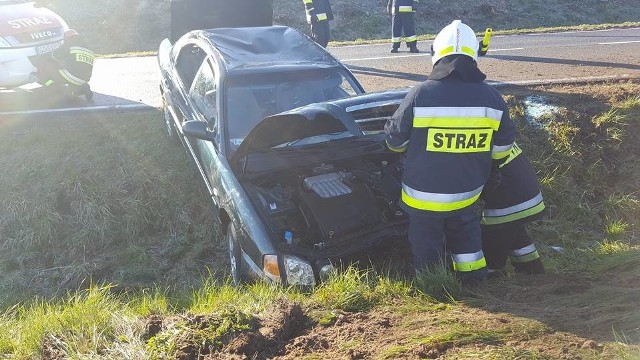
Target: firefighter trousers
[(431, 237), (403, 23), (510, 241), (320, 32)]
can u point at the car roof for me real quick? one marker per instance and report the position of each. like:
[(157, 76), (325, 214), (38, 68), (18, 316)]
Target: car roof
[(267, 49)]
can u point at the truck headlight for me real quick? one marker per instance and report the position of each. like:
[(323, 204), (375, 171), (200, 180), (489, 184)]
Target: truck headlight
[(299, 272)]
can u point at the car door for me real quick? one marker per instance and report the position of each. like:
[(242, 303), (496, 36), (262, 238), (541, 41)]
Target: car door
[(189, 59), (204, 100)]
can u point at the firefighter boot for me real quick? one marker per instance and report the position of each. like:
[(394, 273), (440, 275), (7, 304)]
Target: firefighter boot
[(532, 267), (413, 47), (86, 89), (395, 47), (81, 90)]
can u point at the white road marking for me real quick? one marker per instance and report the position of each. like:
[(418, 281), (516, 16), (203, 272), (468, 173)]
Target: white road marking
[(408, 56), (619, 42), (128, 107), (384, 57), (509, 49)]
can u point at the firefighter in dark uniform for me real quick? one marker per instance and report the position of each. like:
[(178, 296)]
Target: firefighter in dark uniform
[(402, 20), (509, 206), (318, 16), (454, 129), (71, 65)]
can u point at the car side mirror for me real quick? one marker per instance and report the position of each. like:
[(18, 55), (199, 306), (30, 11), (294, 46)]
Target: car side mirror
[(196, 129)]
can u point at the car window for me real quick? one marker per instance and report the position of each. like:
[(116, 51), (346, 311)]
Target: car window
[(249, 99), (203, 95), (189, 60)]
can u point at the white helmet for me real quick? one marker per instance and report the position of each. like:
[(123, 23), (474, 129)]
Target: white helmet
[(455, 38)]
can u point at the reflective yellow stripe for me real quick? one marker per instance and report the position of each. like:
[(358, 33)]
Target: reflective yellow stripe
[(405, 9), (456, 122), (460, 114), (307, 1), (411, 38), (469, 262), (437, 206), (525, 258), (501, 152), (48, 83), (71, 78), (321, 17), (82, 57), (515, 151), (450, 50), (396, 39), (495, 220), (459, 141)]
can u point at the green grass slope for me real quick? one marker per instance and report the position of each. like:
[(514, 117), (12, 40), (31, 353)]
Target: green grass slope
[(117, 26), (103, 198)]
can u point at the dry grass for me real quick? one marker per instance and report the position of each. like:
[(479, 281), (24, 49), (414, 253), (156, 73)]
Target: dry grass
[(96, 197)]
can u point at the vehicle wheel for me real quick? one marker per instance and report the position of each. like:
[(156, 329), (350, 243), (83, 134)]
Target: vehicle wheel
[(169, 126), (234, 256)]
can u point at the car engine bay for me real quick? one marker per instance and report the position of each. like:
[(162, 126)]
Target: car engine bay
[(328, 204)]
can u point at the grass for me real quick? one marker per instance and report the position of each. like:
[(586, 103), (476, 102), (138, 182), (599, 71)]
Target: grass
[(126, 211), (118, 205)]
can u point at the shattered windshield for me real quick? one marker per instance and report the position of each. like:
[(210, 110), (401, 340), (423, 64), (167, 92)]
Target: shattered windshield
[(252, 98)]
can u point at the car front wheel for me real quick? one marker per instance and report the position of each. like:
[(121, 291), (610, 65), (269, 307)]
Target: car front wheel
[(234, 255)]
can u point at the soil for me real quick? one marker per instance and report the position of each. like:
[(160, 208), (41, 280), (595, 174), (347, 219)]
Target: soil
[(556, 332)]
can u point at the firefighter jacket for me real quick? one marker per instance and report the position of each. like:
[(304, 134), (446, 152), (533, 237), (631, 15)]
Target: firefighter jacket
[(76, 62), (517, 197), (401, 6), (318, 10), (451, 127)]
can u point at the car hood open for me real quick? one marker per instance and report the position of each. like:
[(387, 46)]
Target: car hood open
[(308, 121)]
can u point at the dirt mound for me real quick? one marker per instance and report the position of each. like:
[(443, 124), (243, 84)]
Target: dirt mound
[(351, 336), (276, 329)]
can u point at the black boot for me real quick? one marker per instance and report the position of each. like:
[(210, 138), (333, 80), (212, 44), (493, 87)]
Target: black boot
[(394, 50), (414, 49), (532, 267), (88, 94)]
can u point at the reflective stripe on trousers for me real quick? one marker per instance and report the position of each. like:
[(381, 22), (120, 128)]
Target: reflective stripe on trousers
[(403, 9), (525, 209), (525, 254), (468, 262)]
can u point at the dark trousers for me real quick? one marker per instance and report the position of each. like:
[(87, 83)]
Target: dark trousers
[(403, 22), (461, 231), (498, 242), (320, 32)]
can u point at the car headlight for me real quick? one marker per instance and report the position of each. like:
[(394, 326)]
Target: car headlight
[(299, 272), (4, 43)]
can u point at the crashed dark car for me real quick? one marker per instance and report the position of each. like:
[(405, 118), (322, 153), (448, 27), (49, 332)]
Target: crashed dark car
[(288, 147)]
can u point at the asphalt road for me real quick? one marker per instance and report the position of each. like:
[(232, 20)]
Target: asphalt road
[(132, 83)]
